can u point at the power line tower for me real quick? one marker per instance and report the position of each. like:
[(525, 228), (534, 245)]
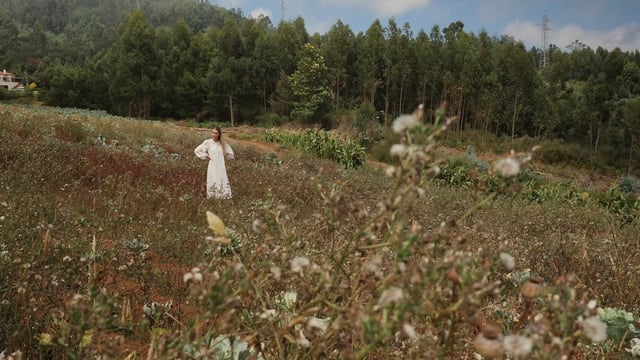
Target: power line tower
[(283, 7), (544, 59)]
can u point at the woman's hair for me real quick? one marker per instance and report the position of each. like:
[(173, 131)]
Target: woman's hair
[(224, 148)]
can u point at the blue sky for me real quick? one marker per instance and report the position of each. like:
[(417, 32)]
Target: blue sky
[(605, 23)]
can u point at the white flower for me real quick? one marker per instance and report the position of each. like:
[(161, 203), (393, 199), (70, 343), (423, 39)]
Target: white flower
[(298, 263), (507, 261), (269, 314), (403, 123), (399, 150), (389, 296), (508, 167), (518, 345), (276, 272), (318, 323), (302, 340), (409, 331), (635, 348), (594, 328), (66, 258)]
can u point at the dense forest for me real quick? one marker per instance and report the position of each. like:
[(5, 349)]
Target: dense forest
[(188, 59)]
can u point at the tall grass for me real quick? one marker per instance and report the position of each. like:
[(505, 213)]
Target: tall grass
[(107, 251)]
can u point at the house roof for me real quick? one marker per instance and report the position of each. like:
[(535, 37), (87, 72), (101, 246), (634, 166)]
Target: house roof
[(10, 82)]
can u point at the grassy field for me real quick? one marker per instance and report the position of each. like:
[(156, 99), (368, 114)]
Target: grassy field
[(107, 249)]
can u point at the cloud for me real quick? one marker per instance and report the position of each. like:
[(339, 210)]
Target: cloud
[(256, 13), (624, 37), (385, 8)]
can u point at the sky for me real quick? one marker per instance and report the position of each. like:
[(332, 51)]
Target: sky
[(594, 23)]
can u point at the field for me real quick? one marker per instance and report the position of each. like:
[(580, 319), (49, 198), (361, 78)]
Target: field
[(110, 249)]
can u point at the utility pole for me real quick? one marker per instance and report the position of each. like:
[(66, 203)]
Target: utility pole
[(544, 61)]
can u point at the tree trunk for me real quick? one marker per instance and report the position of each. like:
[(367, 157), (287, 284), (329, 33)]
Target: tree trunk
[(231, 109), (630, 157), (513, 121)]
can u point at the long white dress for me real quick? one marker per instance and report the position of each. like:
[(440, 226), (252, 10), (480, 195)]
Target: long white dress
[(217, 180)]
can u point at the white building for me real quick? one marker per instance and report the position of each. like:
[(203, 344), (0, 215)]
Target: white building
[(10, 82)]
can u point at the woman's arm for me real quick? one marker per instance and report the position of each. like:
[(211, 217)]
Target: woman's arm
[(202, 151)]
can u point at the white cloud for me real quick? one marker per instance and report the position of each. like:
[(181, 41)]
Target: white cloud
[(256, 13), (385, 8), (625, 36)]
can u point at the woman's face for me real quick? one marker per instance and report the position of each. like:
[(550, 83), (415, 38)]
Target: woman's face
[(215, 135)]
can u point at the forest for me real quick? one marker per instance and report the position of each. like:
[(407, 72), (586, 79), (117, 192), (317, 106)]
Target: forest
[(188, 59)]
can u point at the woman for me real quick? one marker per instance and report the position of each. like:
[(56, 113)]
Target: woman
[(216, 151)]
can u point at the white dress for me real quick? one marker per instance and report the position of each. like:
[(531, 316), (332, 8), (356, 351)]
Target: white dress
[(217, 180)]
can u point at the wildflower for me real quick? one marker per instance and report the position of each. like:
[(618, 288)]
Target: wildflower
[(594, 328), (302, 340), (508, 167), (269, 314), (635, 348), (299, 263), (399, 150), (532, 287), (489, 343), (409, 331), (403, 123), (276, 272), (389, 296), (390, 171), (319, 323), (507, 261), (195, 275), (591, 305), (518, 345)]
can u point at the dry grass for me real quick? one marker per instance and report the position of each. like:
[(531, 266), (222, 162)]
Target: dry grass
[(102, 215)]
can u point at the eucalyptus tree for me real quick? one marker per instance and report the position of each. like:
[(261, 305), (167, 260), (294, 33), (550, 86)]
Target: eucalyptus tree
[(338, 49), (266, 66), (516, 73), (399, 65), (631, 125), (228, 74), (134, 81), (371, 63), (291, 37)]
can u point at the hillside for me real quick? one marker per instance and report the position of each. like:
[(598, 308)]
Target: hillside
[(106, 249)]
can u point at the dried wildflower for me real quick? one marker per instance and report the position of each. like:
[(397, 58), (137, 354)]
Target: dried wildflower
[(635, 348), (299, 263), (517, 345), (389, 296), (302, 340), (507, 167), (403, 123), (319, 323), (532, 287), (594, 328), (399, 150), (409, 331), (489, 343), (194, 275), (276, 272), (507, 261)]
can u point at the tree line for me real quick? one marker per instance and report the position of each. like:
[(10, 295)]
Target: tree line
[(189, 59)]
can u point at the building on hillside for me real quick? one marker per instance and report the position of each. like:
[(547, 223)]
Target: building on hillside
[(10, 82)]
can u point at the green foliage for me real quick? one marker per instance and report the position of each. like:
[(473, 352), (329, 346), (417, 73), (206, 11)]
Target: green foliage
[(621, 324), (346, 152), (309, 85), (629, 184)]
